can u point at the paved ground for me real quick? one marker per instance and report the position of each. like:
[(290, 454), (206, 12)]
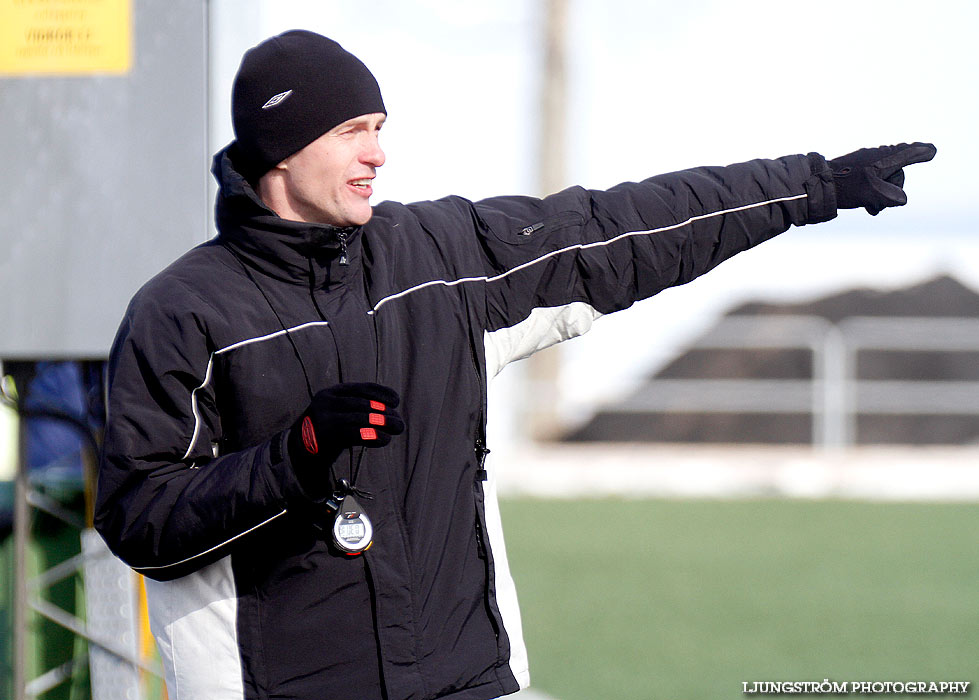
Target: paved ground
[(865, 473)]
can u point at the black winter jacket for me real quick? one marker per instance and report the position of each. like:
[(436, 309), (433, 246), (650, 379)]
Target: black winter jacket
[(220, 353)]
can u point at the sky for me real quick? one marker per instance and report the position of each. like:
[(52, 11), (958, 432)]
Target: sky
[(661, 86)]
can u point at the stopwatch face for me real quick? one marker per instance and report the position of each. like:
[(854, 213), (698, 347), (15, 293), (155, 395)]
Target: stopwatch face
[(352, 530)]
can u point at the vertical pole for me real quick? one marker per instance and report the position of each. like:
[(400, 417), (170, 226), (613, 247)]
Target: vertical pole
[(21, 525), (544, 367), (851, 384), (819, 400), (554, 98), (833, 428), (211, 84), (21, 373)]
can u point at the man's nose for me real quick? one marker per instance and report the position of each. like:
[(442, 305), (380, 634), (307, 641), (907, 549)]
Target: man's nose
[(373, 154)]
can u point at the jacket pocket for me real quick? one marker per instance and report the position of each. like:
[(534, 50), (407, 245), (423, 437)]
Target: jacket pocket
[(529, 231)]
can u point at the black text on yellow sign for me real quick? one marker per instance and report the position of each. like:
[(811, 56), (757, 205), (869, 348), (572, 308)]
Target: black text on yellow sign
[(65, 37)]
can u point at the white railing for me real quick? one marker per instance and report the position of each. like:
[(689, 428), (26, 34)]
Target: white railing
[(834, 395)]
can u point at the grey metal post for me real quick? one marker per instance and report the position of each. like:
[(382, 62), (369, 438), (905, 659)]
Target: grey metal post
[(831, 367), (851, 406), (21, 526), (544, 367), (21, 373)]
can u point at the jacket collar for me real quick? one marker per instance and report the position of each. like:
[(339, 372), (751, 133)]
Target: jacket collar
[(278, 247)]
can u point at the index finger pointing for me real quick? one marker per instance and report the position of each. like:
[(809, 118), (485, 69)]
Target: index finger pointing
[(910, 153)]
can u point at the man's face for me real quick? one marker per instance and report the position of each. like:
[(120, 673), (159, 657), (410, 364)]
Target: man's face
[(329, 181)]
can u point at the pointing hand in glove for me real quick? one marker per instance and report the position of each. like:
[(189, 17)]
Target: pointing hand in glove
[(873, 177)]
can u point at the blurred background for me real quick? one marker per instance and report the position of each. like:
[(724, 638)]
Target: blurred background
[(767, 474)]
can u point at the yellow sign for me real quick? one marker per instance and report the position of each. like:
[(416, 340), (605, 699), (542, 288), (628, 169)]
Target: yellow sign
[(65, 37)]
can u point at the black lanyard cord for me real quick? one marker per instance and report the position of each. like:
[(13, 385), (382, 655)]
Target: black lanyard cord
[(349, 486), (295, 348)]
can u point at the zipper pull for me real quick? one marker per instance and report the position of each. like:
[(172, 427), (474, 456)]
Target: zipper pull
[(481, 452), (342, 236), (530, 230)]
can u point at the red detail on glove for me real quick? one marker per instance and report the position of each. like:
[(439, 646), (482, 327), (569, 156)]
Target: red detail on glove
[(378, 406), (309, 436), (375, 419), (368, 434)]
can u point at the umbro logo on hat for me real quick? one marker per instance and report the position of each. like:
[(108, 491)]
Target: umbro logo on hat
[(276, 99)]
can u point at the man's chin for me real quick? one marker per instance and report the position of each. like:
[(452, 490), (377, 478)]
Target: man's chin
[(367, 217), (347, 221), (359, 218)]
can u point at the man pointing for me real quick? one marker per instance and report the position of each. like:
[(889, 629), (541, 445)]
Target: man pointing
[(295, 455)]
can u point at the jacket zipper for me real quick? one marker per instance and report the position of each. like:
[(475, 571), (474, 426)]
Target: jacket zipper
[(555, 222), (479, 479), (342, 237), (481, 451), (479, 447), (483, 552)]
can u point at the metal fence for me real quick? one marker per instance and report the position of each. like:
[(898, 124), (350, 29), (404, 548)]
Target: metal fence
[(834, 395), (109, 624)]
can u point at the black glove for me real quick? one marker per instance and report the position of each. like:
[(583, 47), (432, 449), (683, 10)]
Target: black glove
[(873, 177), (340, 417)]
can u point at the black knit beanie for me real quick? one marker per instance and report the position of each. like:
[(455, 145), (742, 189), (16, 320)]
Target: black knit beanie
[(290, 90)]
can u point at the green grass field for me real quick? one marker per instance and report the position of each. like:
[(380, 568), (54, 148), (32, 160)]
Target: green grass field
[(687, 599)]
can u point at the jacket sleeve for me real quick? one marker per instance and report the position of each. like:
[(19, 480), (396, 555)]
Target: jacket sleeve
[(552, 265), (165, 505)]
